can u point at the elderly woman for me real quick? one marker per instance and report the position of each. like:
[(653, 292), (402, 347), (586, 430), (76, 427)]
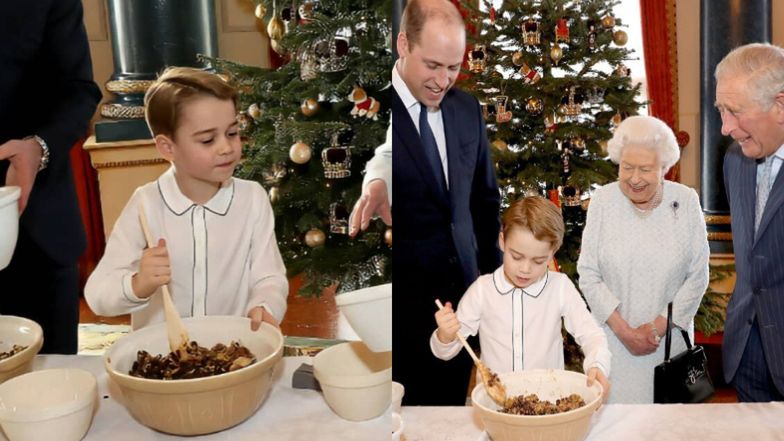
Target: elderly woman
[(644, 245)]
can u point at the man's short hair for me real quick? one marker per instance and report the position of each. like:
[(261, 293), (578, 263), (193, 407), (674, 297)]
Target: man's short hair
[(762, 64), (175, 87), (419, 12)]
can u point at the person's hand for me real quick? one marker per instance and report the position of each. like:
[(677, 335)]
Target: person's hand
[(154, 271), (374, 201), (25, 158), (596, 374), (448, 325), (258, 315), (640, 340)]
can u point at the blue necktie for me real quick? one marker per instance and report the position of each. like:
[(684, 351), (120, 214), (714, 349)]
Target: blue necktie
[(430, 147)]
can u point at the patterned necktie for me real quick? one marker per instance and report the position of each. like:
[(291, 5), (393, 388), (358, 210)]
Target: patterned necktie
[(430, 147), (763, 190)]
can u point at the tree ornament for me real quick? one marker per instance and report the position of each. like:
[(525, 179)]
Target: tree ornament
[(260, 11), (336, 160), (608, 21), (592, 34), (500, 145), (622, 71), (578, 144), (338, 218), (287, 14), (274, 176), (620, 37), (595, 95), (274, 194), (243, 120), (571, 196), (308, 65), (477, 59), (562, 30), (518, 59), (315, 238), (616, 120), (534, 105), (363, 104), (388, 237), (331, 54), (309, 107), (550, 123), (530, 76), (531, 34), (556, 53), (306, 11), (275, 28), (300, 153), (571, 105), (277, 47), (585, 203), (255, 111), (501, 114), (603, 146)]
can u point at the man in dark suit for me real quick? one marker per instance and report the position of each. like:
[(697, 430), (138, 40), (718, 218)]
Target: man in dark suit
[(750, 97), (47, 97), (446, 202)]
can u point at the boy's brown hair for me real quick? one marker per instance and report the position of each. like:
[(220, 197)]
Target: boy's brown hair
[(537, 215), (174, 88)]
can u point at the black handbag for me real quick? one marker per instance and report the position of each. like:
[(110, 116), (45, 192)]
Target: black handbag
[(683, 378)]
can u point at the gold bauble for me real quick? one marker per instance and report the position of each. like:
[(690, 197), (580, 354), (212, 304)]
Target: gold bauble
[(620, 38), (517, 59), (534, 105), (255, 111), (500, 145), (278, 47), (388, 237), (300, 153), (585, 203), (309, 107), (617, 119), (556, 53), (315, 238), (608, 21), (274, 194), (260, 11), (603, 145), (275, 28)]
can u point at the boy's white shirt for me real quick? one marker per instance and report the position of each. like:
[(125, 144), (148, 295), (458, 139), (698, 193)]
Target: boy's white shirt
[(495, 308), (224, 256)]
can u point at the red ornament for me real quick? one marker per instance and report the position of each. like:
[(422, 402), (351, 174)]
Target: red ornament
[(561, 31), (553, 196), (682, 138), (492, 14)]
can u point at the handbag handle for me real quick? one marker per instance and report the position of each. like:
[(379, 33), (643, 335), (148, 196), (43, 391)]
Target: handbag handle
[(668, 336)]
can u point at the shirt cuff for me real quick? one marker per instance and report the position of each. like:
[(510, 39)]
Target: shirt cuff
[(127, 289)]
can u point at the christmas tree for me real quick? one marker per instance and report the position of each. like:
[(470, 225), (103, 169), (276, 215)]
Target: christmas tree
[(309, 128), (550, 74)]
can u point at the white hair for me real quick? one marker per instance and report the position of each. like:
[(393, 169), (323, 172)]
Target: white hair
[(762, 65), (647, 132)]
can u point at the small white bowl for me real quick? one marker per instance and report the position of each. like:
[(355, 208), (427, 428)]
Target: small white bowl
[(397, 426), (369, 312), (18, 331), (51, 404), (9, 223), (356, 382), (398, 390)]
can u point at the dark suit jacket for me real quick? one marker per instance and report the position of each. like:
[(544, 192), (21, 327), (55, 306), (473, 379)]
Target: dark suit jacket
[(46, 89), (432, 226), (759, 263)]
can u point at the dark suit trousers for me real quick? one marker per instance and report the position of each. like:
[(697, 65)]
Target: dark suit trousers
[(35, 287), (428, 380), (753, 381)]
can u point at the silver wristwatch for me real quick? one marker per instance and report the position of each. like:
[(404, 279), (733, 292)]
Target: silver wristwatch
[(44, 151)]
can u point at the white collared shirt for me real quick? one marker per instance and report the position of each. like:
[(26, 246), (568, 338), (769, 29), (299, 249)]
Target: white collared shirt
[(223, 254), (434, 117), (778, 158), (521, 329)]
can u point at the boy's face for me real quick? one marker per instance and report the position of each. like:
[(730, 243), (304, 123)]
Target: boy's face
[(206, 146), (525, 257)]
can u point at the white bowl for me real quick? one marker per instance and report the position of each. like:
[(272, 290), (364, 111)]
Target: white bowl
[(356, 381), (397, 426), (9, 223), (51, 404), (548, 384), (199, 405), (23, 332), (369, 312), (398, 391)]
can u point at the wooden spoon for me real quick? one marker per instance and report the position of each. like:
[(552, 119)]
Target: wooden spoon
[(178, 335), (493, 385)]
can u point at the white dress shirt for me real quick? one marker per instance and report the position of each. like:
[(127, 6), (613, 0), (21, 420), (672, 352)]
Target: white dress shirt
[(223, 254), (380, 165), (434, 118), (521, 328), (778, 158)]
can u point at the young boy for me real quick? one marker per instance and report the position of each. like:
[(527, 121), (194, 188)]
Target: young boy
[(216, 246), (517, 309)]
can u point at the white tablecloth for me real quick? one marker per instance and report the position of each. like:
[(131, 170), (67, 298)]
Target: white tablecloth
[(623, 422), (286, 415)]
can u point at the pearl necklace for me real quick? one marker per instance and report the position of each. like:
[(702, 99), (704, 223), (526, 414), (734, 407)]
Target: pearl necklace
[(650, 205)]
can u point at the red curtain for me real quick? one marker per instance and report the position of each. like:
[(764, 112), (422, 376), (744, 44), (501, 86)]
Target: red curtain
[(86, 181), (661, 66)]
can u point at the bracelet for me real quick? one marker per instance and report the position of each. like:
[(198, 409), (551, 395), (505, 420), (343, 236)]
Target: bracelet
[(44, 151)]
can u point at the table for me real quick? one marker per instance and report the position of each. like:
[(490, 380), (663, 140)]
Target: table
[(287, 414), (626, 422)]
